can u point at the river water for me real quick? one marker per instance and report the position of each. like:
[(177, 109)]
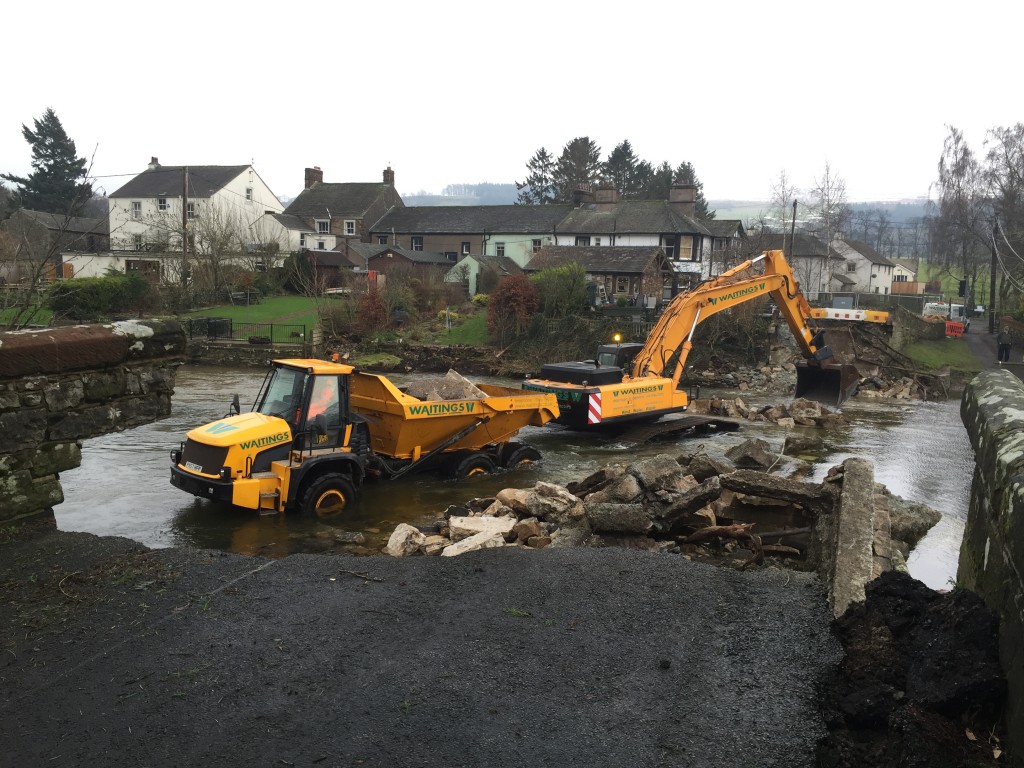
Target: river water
[(920, 452)]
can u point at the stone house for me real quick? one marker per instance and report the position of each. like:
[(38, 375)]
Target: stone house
[(603, 218), (516, 232), (639, 275)]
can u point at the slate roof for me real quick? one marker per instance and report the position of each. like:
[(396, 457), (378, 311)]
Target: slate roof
[(418, 257), (725, 227), (869, 253), (630, 217), (165, 181), (339, 201), (843, 279), (336, 259), (466, 219), (798, 246), (503, 264), (77, 224), (292, 222), (619, 260)]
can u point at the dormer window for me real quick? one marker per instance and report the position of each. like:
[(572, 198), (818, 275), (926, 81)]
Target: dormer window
[(350, 227), (323, 226)]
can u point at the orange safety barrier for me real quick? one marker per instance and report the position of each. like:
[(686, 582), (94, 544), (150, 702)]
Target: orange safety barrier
[(954, 329)]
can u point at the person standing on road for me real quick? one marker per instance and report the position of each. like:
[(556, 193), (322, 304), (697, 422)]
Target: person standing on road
[(1005, 341)]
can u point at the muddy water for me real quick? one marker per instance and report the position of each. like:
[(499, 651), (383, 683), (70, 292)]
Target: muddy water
[(122, 488)]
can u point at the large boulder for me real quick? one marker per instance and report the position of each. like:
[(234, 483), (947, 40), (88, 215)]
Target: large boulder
[(753, 453), (659, 473), (405, 540), (618, 518), (463, 527), (545, 501)]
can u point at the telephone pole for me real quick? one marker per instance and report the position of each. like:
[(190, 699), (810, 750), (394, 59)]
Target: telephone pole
[(184, 227)]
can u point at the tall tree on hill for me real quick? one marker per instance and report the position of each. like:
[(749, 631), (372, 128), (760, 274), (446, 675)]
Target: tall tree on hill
[(539, 187), (579, 164), (57, 182), (685, 174), (829, 205), (1004, 177)]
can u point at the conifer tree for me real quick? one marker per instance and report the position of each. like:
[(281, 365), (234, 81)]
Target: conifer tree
[(57, 182)]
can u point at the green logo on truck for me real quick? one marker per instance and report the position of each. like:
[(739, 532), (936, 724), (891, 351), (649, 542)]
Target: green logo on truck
[(442, 409), (737, 294), (263, 442)]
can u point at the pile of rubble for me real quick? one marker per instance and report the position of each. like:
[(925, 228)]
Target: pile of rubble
[(695, 505), (904, 388), (801, 412), (451, 386), (767, 378)]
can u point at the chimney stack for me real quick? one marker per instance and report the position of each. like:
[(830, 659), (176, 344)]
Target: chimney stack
[(389, 177), (683, 198), (153, 163), (314, 176), (606, 197)]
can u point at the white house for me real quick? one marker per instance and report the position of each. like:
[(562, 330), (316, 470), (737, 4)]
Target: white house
[(224, 207), (871, 271)]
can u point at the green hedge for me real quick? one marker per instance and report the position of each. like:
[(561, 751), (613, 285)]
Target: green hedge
[(89, 299)]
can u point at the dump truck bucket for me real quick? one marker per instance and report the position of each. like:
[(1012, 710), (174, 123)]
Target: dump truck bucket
[(828, 383)]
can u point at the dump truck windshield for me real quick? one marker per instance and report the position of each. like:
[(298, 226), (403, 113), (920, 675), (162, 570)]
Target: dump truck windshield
[(284, 395)]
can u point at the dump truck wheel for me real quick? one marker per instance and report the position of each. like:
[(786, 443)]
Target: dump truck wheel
[(472, 465), (524, 454), (328, 496)]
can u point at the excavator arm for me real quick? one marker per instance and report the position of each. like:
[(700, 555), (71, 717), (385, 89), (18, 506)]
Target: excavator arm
[(670, 341)]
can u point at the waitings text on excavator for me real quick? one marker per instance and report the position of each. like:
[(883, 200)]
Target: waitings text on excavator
[(625, 382)]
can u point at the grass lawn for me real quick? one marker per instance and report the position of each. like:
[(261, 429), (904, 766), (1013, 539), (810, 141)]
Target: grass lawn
[(271, 309), (471, 331), (941, 352)]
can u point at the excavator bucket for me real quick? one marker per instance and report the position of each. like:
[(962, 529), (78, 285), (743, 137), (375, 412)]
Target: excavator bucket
[(827, 383)]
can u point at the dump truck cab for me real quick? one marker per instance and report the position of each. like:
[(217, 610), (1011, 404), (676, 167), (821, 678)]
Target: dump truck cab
[(300, 446)]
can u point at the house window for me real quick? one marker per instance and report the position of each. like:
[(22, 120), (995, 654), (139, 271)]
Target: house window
[(191, 210), (137, 242), (320, 246), (302, 239), (161, 204), (417, 242), (621, 284), (451, 255), (499, 249), (248, 194), (465, 249), (851, 266), (323, 226), (582, 239), (136, 209), (350, 227), (597, 241), (899, 279), (382, 239), (536, 245)]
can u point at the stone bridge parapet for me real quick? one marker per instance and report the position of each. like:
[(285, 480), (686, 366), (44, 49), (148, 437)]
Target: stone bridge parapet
[(992, 554), (59, 386)]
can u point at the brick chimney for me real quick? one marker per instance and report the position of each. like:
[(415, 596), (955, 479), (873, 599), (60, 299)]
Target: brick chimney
[(683, 198), (314, 176), (389, 177), (153, 163), (607, 197)]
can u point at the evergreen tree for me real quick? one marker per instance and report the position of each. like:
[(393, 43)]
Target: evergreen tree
[(659, 182), (539, 188), (685, 174), (579, 163), (626, 171), (57, 182)]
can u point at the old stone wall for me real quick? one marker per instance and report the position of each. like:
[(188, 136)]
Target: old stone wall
[(205, 352), (59, 386), (992, 554), (908, 327)]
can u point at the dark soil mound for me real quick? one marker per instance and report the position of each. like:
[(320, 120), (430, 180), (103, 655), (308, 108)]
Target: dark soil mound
[(921, 677)]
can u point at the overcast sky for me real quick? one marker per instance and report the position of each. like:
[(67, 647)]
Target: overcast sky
[(465, 92)]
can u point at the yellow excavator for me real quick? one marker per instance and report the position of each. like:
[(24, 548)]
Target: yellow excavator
[(628, 382)]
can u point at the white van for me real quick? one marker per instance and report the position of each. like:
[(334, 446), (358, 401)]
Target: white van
[(954, 312)]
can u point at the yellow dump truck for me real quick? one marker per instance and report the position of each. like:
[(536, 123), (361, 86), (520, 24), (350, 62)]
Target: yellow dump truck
[(318, 429)]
